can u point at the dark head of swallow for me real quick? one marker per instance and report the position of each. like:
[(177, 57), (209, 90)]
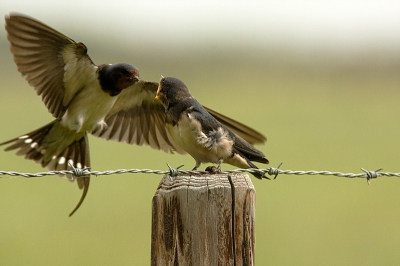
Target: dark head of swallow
[(171, 91), (114, 78)]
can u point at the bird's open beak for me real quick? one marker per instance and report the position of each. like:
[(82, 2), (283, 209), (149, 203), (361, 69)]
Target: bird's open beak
[(158, 90)]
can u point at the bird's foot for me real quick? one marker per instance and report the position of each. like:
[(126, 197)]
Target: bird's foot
[(213, 169)]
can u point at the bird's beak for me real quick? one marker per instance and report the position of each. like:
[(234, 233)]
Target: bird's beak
[(158, 90)]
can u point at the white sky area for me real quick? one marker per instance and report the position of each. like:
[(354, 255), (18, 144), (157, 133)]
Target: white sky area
[(303, 24)]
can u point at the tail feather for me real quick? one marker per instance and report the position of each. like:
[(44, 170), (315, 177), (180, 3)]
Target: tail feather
[(29, 144), (81, 158), (77, 154)]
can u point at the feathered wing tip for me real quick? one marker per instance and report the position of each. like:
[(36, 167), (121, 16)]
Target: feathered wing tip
[(257, 175), (38, 54), (250, 154), (247, 133), (77, 154)]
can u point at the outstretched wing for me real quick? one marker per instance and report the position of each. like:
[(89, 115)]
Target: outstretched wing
[(136, 118), (55, 65)]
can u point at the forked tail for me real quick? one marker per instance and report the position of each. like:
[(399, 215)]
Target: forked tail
[(34, 146)]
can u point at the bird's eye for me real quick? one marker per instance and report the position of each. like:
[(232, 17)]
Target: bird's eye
[(124, 72)]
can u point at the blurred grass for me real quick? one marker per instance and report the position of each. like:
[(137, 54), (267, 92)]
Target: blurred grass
[(321, 111)]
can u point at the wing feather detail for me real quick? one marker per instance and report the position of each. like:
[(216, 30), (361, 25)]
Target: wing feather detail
[(54, 64)]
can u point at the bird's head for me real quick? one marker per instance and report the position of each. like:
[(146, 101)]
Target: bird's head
[(171, 90), (115, 78)]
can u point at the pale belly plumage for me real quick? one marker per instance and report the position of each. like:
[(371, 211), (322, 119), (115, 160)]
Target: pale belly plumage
[(86, 112), (88, 109), (204, 149)]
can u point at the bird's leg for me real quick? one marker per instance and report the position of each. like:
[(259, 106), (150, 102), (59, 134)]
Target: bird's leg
[(196, 166), (219, 164)]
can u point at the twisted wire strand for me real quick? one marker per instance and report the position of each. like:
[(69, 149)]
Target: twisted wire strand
[(368, 175)]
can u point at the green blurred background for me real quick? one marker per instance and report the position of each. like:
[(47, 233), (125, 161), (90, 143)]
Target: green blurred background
[(320, 79)]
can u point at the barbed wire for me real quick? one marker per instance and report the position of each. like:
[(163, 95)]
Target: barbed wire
[(274, 172)]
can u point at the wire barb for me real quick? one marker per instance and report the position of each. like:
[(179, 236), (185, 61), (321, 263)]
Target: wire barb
[(79, 172), (371, 174), (173, 171), (274, 171)]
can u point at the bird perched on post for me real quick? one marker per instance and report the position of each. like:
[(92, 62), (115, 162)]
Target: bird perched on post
[(108, 101), (198, 133)]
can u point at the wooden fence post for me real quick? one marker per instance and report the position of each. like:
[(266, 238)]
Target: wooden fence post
[(201, 220)]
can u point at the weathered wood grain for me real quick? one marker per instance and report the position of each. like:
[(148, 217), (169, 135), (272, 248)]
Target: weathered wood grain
[(192, 221)]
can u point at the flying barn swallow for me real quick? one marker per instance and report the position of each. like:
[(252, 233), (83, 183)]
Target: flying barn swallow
[(78, 93), (109, 101), (201, 135)]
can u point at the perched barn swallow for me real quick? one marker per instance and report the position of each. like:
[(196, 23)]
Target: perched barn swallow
[(108, 101), (137, 119), (201, 135)]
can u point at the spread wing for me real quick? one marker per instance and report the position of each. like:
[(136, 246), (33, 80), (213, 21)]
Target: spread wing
[(136, 118), (55, 65)]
